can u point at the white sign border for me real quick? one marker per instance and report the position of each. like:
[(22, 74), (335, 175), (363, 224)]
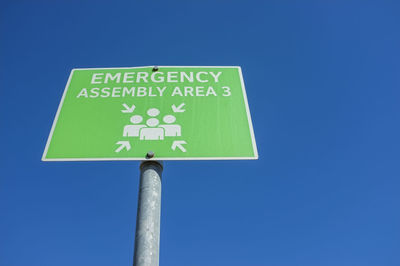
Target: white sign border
[(253, 140)]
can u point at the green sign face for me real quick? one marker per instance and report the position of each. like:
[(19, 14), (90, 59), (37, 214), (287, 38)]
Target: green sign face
[(178, 113)]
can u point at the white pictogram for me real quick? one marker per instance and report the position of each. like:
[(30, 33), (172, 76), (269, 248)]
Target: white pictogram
[(127, 108), (179, 108), (152, 132), (123, 144), (169, 129), (133, 130), (151, 129), (153, 112), (178, 144)]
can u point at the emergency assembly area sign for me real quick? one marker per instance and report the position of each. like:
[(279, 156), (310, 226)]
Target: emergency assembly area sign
[(178, 113)]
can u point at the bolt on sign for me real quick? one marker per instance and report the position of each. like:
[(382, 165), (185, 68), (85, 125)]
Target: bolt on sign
[(178, 113)]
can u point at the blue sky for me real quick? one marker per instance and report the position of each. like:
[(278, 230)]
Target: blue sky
[(322, 81)]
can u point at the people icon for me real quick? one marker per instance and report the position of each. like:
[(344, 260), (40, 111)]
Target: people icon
[(133, 130), (171, 130), (152, 130), (153, 112)]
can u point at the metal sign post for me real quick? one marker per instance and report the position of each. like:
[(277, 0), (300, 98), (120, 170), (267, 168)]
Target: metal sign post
[(147, 237), (167, 112)]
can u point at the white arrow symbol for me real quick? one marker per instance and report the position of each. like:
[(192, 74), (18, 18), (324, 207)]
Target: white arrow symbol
[(124, 144), (179, 108), (127, 108), (178, 143)]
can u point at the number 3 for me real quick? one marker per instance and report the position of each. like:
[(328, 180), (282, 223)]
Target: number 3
[(227, 91)]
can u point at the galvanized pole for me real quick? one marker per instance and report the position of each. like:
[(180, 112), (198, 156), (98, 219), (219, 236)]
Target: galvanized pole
[(147, 237)]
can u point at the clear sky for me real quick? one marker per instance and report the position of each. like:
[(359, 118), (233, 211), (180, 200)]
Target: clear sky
[(322, 81)]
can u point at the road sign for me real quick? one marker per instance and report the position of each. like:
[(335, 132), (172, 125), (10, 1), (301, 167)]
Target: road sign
[(178, 113)]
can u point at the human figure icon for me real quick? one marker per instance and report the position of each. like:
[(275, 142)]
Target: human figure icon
[(133, 130), (171, 130), (153, 112), (152, 132)]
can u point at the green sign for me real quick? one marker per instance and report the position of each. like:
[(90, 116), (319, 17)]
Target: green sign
[(178, 113)]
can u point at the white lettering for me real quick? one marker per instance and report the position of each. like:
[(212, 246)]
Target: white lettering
[(109, 76), (199, 91), (151, 92), (210, 90), (128, 77), (116, 92), (215, 76), (105, 92), (95, 92), (188, 90), (141, 91), (189, 78), (172, 77), (161, 90), (127, 91), (227, 91), (160, 79), (177, 90), (142, 75), (83, 93), (199, 78), (96, 76)]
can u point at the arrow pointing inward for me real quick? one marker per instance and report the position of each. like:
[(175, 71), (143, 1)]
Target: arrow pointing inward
[(124, 144), (178, 143), (127, 108), (179, 108)]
